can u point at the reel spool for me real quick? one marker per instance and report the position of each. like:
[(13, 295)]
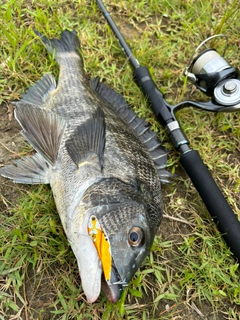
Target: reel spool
[(213, 75)]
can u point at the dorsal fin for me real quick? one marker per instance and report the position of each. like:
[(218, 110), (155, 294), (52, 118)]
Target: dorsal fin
[(88, 139), (39, 92), (139, 126), (43, 130)]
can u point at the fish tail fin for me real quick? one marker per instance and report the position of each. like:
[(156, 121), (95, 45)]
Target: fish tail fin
[(68, 43)]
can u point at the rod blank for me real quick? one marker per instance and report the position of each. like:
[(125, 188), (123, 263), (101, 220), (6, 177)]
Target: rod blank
[(123, 44)]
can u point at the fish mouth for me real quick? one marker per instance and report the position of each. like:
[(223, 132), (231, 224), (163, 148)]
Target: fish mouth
[(112, 283), (113, 288)]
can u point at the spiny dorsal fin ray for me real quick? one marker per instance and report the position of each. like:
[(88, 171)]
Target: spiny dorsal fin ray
[(39, 92), (139, 126), (29, 170), (88, 138), (43, 130)]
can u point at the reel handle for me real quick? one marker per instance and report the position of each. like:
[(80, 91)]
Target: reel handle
[(222, 214)]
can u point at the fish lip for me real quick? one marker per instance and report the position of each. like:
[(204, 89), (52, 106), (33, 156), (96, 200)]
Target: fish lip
[(115, 286)]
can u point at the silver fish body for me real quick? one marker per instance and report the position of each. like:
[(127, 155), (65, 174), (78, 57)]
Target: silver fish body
[(104, 166)]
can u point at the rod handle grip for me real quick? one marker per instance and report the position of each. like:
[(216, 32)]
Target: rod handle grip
[(143, 79), (222, 214)]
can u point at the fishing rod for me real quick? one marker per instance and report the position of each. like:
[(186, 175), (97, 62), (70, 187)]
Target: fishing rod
[(213, 75)]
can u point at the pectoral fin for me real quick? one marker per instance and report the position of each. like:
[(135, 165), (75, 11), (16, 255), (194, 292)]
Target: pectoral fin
[(42, 129), (88, 139)]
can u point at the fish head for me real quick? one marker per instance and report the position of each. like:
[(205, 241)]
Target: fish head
[(113, 228), (124, 242)]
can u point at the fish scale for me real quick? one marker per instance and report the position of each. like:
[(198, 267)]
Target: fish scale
[(103, 163)]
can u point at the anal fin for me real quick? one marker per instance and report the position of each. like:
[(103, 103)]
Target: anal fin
[(39, 92), (29, 170), (42, 129)]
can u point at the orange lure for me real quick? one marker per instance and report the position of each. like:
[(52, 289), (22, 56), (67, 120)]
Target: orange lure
[(102, 245)]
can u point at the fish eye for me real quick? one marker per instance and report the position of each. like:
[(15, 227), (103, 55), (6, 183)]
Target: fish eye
[(135, 237)]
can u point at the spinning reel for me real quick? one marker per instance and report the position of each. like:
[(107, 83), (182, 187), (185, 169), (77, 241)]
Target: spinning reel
[(215, 77)]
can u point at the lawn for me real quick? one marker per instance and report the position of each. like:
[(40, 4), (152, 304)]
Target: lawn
[(190, 273)]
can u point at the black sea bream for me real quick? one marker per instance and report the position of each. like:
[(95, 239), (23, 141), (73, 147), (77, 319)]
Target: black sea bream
[(104, 165)]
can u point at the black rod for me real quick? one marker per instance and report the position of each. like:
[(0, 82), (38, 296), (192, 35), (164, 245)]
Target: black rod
[(222, 214), (118, 35)]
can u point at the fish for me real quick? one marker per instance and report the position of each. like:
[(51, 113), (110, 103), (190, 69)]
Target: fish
[(104, 165)]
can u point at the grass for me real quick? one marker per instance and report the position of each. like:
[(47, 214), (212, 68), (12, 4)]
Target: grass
[(190, 273)]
